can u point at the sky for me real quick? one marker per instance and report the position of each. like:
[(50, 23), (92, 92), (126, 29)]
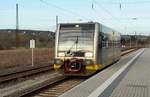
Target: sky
[(125, 16)]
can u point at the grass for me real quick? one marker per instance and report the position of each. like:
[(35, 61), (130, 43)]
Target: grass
[(20, 57)]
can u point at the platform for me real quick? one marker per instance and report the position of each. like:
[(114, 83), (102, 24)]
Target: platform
[(136, 82), (127, 78)]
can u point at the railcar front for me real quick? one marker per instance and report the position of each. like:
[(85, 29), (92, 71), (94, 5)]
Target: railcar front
[(75, 52)]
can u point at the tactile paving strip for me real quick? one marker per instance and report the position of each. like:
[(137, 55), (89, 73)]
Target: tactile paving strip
[(137, 81)]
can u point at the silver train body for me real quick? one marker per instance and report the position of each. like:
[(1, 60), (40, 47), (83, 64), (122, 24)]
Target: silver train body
[(83, 48)]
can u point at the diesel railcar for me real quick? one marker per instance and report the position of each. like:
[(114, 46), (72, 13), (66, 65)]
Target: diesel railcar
[(83, 48)]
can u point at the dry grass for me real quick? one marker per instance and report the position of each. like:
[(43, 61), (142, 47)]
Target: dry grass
[(20, 57)]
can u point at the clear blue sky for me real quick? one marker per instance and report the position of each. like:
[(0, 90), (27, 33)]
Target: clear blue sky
[(40, 14)]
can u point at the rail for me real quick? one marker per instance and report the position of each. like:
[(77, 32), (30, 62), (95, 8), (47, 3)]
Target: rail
[(17, 72)]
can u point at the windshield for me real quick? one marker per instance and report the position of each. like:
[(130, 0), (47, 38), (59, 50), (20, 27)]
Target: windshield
[(75, 40)]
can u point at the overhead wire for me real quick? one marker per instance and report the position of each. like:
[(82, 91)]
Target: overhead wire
[(119, 20), (98, 4), (64, 10), (93, 8), (126, 2)]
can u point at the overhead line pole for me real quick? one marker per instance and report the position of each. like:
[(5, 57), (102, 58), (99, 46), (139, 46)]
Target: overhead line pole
[(17, 25), (63, 9), (56, 22)]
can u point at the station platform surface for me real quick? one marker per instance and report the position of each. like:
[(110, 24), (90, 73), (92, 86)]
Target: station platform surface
[(133, 79), (136, 82)]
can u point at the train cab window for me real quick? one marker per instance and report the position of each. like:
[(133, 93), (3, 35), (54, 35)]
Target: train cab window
[(75, 40)]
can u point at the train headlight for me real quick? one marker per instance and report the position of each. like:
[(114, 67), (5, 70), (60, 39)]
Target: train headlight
[(61, 54), (88, 62), (58, 61), (88, 54)]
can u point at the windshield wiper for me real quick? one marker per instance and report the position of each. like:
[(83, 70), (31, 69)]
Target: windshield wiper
[(75, 43)]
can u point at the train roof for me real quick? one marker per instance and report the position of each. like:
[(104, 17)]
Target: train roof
[(90, 22), (79, 23)]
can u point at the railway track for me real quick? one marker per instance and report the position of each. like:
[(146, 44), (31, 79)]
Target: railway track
[(18, 72), (31, 85), (61, 85), (124, 52), (58, 88)]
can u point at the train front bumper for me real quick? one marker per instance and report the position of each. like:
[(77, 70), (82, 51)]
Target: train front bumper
[(93, 67), (87, 67), (57, 66)]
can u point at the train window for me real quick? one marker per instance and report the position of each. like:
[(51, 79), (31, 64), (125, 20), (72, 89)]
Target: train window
[(76, 39), (104, 38), (104, 41), (103, 44), (100, 40), (109, 44), (116, 44)]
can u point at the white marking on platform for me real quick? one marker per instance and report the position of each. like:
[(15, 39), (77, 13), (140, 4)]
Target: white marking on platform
[(109, 81)]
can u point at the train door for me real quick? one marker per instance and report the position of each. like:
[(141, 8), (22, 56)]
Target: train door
[(104, 51), (99, 50)]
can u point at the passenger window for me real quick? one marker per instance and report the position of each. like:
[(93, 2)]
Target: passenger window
[(99, 40), (104, 41), (107, 44)]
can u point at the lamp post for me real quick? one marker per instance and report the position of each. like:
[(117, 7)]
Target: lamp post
[(136, 40), (136, 37)]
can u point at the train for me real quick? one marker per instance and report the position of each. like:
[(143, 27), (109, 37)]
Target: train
[(81, 49)]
